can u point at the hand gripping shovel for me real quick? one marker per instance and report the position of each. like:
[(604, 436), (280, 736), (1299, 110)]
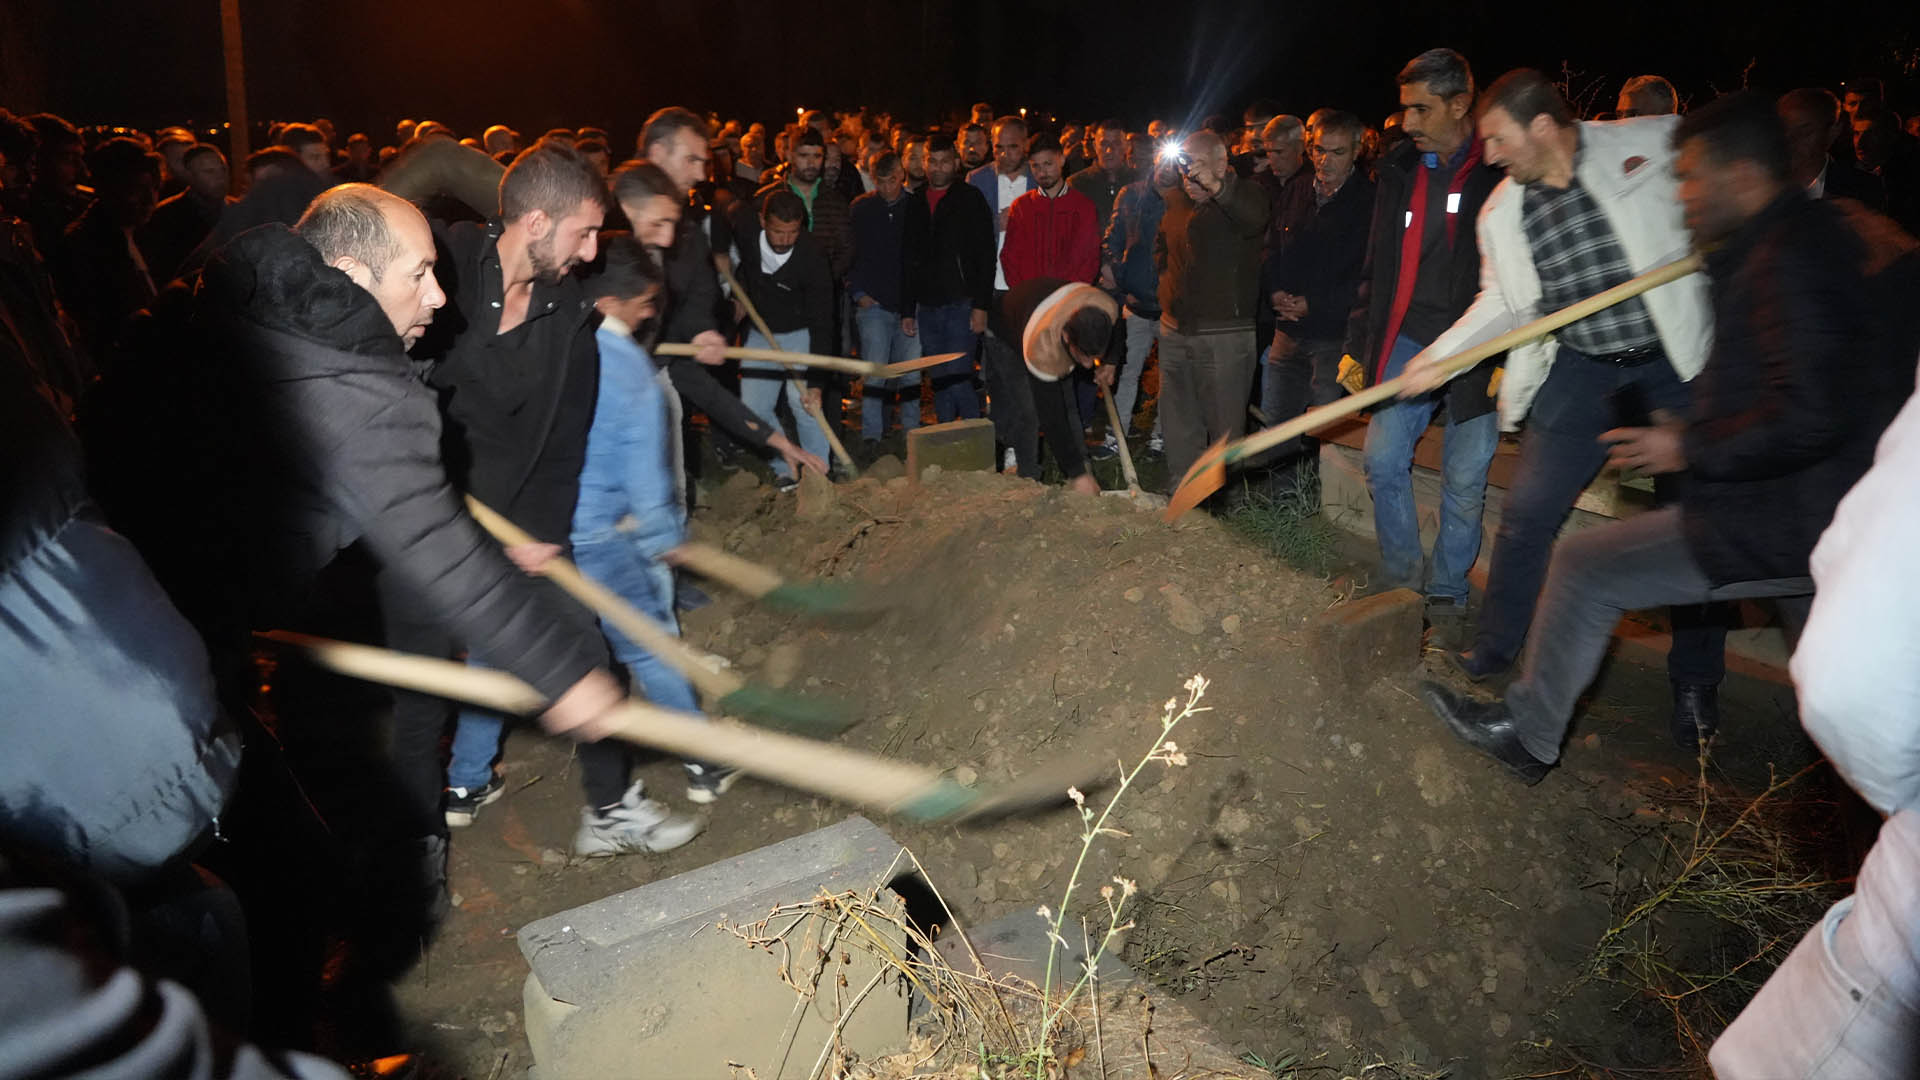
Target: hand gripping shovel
[(840, 601), (916, 792), (1210, 471), (819, 416), (728, 692)]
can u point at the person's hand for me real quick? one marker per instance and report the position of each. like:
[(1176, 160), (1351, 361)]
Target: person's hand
[(1279, 302), (1422, 376), (1107, 280), (977, 322), (1296, 308), (1085, 484), (1104, 376), (866, 301), (1194, 188), (795, 456), (1657, 449), (710, 347), (909, 326), (586, 710), (810, 398), (534, 557)]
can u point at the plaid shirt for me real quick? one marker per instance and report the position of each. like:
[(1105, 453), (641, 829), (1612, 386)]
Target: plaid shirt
[(1577, 256)]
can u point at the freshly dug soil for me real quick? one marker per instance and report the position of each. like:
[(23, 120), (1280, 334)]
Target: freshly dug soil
[(1330, 877)]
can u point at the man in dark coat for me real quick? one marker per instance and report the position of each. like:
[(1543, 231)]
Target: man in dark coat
[(1778, 432)]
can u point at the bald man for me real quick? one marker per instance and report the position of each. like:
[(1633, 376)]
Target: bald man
[(296, 339), (1208, 251)]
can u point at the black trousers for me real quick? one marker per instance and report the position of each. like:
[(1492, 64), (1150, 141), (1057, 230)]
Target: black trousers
[(419, 720)]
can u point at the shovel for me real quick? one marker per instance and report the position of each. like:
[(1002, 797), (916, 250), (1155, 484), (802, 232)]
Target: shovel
[(819, 417), (765, 585), (916, 792), (1133, 492), (727, 690), (1209, 473), (835, 363)]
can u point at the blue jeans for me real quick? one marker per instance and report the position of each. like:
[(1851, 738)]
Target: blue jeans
[(1469, 447), (1142, 333), (476, 744), (883, 342), (647, 584), (1307, 377), (946, 328), (761, 384)]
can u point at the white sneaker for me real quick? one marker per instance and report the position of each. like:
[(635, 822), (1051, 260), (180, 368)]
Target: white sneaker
[(636, 824), (1007, 462)]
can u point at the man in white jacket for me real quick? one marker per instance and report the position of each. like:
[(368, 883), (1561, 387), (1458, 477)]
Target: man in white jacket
[(1585, 207)]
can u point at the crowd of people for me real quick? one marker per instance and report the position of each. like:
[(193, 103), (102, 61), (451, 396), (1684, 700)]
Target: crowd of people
[(216, 387)]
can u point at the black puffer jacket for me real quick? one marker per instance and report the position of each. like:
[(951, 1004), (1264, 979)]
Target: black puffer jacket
[(271, 418), (117, 757), (1785, 414)]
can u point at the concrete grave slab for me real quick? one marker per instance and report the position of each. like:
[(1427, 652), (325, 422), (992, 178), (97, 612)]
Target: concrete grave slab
[(958, 445), (643, 984)]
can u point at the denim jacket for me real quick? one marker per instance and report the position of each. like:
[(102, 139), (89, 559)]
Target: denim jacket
[(627, 488), (1128, 246)]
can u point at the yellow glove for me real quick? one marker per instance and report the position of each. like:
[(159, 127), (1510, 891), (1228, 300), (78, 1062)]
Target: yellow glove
[(1493, 384), (1351, 375)]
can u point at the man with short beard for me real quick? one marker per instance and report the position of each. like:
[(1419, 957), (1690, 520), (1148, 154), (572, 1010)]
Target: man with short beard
[(975, 147), (830, 220), (1585, 207), (516, 366), (181, 221)]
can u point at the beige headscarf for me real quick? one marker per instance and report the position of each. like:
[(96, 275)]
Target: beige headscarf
[(1046, 357)]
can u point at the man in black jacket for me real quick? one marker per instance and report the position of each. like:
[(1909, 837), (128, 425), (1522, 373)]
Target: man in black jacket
[(653, 204), (516, 366), (1317, 276), (279, 381), (1783, 422), (1423, 271), (296, 340), (947, 283), (783, 268)]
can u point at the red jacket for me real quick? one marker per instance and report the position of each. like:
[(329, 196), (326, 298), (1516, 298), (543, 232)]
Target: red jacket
[(1055, 237)]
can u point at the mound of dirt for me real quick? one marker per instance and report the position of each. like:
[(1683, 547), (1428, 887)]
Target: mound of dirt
[(1332, 882), (1328, 876)]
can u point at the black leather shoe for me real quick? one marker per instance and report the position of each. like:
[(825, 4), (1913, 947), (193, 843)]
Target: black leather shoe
[(1487, 727), (1477, 664), (1696, 715)]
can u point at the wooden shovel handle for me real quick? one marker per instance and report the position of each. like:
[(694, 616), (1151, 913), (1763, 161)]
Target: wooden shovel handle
[(781, 356), (644, 632), (819, 416), (1120, 436), (1314, 419), (708, 561), (823, 768)]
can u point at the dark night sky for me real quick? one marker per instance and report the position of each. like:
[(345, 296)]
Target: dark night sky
[(535, 65)]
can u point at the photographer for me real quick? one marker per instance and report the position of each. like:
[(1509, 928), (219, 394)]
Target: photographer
[(1208, 256)]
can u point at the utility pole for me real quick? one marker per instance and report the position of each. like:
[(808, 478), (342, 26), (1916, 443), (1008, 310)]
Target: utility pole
[(237, 130)]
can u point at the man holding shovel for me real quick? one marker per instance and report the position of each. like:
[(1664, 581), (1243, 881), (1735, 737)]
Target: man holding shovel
[(1783, 423), (1061, 325), (1585, 207)]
